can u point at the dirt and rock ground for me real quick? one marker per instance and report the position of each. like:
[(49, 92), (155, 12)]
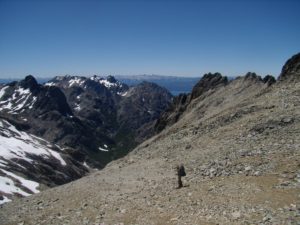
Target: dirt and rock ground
[(241, 149)]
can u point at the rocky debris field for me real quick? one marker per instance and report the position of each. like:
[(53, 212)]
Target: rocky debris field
[(240, 146)]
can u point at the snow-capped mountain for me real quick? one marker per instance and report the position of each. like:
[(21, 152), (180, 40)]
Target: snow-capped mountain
[(121, 112), (28, 163), (85, 114), (109, 83), (26, 96), (45, 112)]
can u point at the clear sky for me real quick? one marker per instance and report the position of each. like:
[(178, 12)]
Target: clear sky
[(166, 37)]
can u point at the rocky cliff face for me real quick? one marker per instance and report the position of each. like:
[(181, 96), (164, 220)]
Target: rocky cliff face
[(291, 69)]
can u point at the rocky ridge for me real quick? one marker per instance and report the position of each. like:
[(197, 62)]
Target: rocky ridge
[(240, 146), (207, 85)]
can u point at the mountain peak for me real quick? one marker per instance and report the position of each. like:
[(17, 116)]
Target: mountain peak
[(207, 82), (252, 76), (29, 82), (111, 79), (291, 68)]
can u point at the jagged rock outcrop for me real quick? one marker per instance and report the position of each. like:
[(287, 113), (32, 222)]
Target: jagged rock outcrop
[(207, 85), (291, 69), (208, 82), (29, 82), (269, 80)]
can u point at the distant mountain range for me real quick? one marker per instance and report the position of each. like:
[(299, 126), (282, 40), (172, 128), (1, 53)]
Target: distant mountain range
[(175, 85)]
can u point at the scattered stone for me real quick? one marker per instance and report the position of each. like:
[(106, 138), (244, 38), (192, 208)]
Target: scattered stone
[(236, 215), (123, 211), (267, 218), (257, 173), (248, 168), (287, 120), (188, 147)]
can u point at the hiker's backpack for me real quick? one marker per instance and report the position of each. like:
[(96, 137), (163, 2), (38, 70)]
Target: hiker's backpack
[(181, 171)]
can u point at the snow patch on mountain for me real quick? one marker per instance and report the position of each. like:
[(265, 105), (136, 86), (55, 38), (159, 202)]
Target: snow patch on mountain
[(103, 149), (50, 84), (15, 144), (12, 184), (107, 84), (123, 94), (77, 107), (20, 99), (110, 83), (30, 105), (66, 81), (16, 147), (4, 200), (30, 185), (76, 80), (2, 91)]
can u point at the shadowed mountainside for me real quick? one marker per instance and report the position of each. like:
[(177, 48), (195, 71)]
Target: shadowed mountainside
[(96, 117)]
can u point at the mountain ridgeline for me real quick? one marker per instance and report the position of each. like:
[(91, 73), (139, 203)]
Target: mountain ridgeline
[(207, 85)]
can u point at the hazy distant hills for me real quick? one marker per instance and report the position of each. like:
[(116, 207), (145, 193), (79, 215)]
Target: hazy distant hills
[(175, 85)]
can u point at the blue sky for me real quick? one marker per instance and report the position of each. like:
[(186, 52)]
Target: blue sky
[(179, 37)]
